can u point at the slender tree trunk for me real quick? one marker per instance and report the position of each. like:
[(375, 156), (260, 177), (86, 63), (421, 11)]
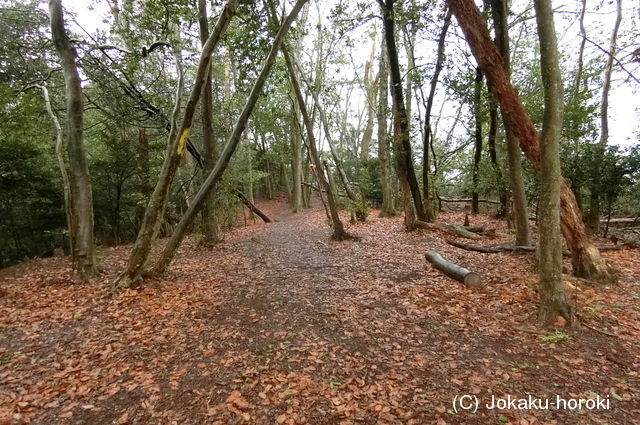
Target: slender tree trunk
[(325, 183), (596, 187), (516, 182), (174, 153), (428, 131), (493, 156), (371, 91), (477, 154), (210, 224), (296, 163), (384, 150), (58, 148), (81, 199), (402, 143), (223, 161), (327, 134), (587, 261), (553, 300)]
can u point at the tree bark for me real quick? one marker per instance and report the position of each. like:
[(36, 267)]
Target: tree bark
[(81, 198), (586, 259), (384, 150), (401, 137), (225, 156), (175, 151), (454, 271), (516, 182), (210, 224), (553, 299), (477, 154)]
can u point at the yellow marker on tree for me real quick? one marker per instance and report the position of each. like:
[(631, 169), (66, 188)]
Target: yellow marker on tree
[(183, 140)]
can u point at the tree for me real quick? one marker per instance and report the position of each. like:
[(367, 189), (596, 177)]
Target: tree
[(210, 222), (499, 10), (81, 199), (553, 299), (596, 187), (427, 139), (176, 147), (223, 160), (401, 138), (586, 259), (384, 150)]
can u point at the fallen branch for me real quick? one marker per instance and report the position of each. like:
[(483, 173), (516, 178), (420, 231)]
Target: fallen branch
[(454, 271), (446, 227), (600, 331), (253, 208), (484, 249), (481, 230), (486, 201)]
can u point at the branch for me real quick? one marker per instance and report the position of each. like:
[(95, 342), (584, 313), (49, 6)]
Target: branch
[(620, 64)]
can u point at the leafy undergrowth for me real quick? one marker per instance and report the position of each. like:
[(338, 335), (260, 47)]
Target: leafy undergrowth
[(280, 325)]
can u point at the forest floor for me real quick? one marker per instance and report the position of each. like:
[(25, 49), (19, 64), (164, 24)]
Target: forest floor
[(280, 325)]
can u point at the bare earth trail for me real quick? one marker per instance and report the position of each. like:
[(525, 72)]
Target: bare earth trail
[(278, 324)]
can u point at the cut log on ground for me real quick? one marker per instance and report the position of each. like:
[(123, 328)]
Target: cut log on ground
[(447, 227), (253, 208), (454, 271)]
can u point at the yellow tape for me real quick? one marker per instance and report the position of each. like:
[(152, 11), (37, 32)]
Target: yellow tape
[(183, 140)]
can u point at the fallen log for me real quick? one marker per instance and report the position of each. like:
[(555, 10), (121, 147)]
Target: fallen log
[(454, 271), (253, 208), (484, 249), (481, 230), (447, 227), (486, 201)]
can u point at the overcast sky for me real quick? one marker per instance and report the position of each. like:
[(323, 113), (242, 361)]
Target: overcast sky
[(625, 95)]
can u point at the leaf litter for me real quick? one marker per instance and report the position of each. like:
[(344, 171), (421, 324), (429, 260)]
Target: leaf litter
[(278, 324)]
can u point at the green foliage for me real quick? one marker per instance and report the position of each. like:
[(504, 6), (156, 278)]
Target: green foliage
[(32, 218)]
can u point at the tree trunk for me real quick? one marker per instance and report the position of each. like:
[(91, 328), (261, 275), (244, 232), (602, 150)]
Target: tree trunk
[(296, 161), (210, 224), (327, 134), (58, 148), (493, 155), (477, 154), (426, 140), (553, 299), (401, 137), (223, 161), (81, 199), (253, 208), (175, 151), (596, 186), (332, 199), (516, 182), (587, 261), (384, 150), (371, 91)]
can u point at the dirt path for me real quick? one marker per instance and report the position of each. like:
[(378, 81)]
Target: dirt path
[(278, 324)]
